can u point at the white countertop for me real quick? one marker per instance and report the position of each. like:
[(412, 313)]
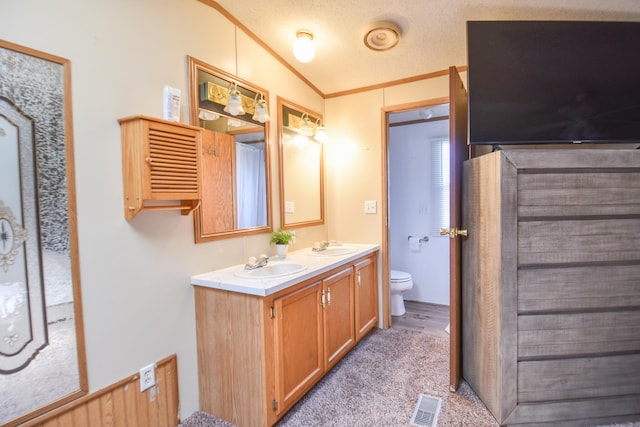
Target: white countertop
[(227, 279)]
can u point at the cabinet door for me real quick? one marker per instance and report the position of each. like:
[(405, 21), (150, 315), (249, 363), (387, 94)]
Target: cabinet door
[(366, 291), (339, 332), (218, 183), (298, 344)]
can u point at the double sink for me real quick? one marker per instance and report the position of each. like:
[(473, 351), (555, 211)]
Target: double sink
[(284, 268)]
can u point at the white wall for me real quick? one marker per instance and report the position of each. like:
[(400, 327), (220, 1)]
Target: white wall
[(354, 154), (122, 53), (411, 211)]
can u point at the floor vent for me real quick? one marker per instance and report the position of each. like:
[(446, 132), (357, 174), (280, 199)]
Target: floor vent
[(426, 412)]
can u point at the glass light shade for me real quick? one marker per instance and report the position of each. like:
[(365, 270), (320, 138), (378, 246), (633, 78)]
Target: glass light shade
[(208, 115), (234, 104), (306, 129), (235, 123), (262, 112), (321, 134), (303, 49)]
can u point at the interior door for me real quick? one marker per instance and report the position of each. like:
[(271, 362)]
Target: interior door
[(459, 153)]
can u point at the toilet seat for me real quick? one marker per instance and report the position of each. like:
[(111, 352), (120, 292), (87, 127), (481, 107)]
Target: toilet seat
[(400, 282), (399, 276)]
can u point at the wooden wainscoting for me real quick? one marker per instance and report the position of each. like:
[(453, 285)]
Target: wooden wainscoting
[(122, 404)]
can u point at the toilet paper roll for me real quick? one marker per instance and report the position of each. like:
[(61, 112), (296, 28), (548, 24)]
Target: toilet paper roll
[(414, 244)]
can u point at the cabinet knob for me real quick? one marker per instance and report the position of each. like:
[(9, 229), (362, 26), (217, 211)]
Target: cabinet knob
[(148, 160)]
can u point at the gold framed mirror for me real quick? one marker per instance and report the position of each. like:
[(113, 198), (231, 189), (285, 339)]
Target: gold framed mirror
[(42, 352), (236, 183), (301, 166)]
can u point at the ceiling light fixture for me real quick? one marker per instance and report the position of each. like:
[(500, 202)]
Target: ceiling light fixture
[(383, 35), (234, 101), (303, 49)]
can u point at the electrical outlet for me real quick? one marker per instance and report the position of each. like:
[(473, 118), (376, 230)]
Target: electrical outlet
[(147, 377), (370, 207)]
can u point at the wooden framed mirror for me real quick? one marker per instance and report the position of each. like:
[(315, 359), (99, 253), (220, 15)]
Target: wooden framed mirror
[(301, 166), (42, 353), (236, 187)]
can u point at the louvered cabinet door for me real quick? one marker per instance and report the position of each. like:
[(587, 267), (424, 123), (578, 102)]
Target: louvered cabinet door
[(161, 162)]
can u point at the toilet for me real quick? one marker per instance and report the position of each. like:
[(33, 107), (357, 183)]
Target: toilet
[(401, 282)]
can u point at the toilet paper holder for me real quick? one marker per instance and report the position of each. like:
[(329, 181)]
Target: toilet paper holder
[(422, 240)]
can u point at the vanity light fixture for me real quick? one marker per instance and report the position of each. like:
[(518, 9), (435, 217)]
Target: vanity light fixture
[(232, 123), (261, 113), (234, 101), (306, 127), (321, 132), (207, 115), (303, 49)]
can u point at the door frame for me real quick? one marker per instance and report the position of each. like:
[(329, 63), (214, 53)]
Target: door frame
[(384, 247)]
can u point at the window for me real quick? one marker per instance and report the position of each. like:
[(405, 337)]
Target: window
[(439, 184)]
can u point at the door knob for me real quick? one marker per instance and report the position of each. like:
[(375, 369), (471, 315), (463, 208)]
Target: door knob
[(453, 232)]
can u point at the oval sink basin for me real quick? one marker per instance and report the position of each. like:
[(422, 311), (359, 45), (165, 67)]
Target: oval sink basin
[(270, 271), (333, 251)]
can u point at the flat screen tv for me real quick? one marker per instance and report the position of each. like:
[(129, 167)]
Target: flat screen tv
[(536, 82)]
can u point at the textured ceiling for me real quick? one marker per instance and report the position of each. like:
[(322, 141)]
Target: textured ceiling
[(433, 32)]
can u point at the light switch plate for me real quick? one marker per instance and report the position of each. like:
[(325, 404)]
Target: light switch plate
[(289, 207), (370, 207)]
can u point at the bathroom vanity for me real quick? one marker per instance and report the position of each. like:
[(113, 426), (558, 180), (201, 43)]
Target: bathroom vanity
[(267, 336)]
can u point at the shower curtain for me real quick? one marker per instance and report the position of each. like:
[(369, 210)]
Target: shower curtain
[(251, 185)]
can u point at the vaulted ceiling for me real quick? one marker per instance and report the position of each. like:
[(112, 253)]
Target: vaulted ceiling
[(433, 32)]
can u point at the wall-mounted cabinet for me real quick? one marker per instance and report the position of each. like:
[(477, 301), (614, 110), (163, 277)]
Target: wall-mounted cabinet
[(258, 355), (160, 165)]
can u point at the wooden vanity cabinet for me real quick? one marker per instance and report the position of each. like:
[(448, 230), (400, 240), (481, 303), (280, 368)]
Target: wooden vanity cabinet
[(257, 356), (366, 296), (298, 344), (339, 309)]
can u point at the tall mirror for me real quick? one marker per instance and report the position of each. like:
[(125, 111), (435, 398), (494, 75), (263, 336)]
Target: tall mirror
[(236, 189), (42, 355), (301, 135)]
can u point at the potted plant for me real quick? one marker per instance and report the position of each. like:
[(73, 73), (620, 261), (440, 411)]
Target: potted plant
[(282, 238)]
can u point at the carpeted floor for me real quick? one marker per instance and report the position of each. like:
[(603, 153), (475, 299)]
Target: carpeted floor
[(378, 384)]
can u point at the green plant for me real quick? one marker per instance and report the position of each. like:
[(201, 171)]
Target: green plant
[(282, 237)]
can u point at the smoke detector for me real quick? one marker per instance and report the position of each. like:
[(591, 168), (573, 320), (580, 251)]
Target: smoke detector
[(383, 35)]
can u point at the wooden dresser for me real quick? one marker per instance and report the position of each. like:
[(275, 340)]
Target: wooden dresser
[(551, 285)]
